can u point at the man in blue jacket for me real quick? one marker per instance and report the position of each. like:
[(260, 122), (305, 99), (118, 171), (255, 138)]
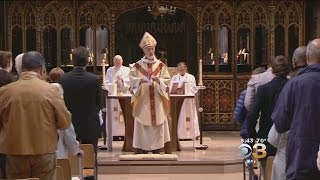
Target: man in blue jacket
[(298, 109)]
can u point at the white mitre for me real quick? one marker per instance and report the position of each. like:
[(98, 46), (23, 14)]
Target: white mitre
[(147, 40)]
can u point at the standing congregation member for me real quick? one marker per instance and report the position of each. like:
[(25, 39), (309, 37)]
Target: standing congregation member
[(67, 143), (117, 75), (299, 60), (264, 104), (5, 78), (188, 124), (240, 112), (240, 116), (83, 97), (149, 79), (253, 84), (280, 140), (297, 110), (18, 63), (31, 112), (5, 68)]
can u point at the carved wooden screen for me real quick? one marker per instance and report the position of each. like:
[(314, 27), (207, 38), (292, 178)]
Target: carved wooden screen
[(279, 31), (16, 27), (243, 42), (49, 33), (293, 30), (66, 33), (208, 36), (217, 44), (94, 20), (260, 36), (30, 28), (102, 32), (225, 50)]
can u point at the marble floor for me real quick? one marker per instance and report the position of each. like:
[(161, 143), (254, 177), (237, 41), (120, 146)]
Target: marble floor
[(222, 146), (221, 157), (229, 176)]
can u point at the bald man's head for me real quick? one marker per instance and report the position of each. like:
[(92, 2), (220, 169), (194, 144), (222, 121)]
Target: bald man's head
[(117, 61), (299, 57), (313, 52)]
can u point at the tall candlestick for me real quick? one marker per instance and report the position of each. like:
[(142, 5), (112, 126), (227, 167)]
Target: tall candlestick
[(107, 52), (103, 72), (104, 55), (200, 72)]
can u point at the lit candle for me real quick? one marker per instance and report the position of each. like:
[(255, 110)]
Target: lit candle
[(103, 72), (225, 59), (104, 55), (200, 72), (71, 56)]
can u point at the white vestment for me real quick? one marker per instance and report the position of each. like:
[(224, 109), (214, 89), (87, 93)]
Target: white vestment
[(188, 125), (122, 87), (150, 104)]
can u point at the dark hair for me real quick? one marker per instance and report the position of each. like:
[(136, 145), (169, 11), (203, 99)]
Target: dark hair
[(55, 74), (280, 66), (182, 63), (5, 58), (32, 61), (80, 56), (258, 70)]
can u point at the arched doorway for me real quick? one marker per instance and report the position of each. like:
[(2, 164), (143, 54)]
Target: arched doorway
[(175, 34)]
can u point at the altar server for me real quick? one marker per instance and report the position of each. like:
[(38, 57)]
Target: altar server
[(117, 79), (185, 83)]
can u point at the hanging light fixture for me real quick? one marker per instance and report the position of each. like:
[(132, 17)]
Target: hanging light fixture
[(157, 10)]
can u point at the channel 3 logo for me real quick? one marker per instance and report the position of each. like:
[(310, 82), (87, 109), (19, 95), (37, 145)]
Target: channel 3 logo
[(258, 151)]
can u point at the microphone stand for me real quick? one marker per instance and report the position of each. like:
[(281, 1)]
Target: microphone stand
[(200, 109)]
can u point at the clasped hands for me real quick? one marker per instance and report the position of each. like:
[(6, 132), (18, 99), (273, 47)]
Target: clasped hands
[(150, 81)]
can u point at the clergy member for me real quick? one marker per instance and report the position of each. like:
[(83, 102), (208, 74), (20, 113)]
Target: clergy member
[(117, 75), (149, 80), (188, 125)]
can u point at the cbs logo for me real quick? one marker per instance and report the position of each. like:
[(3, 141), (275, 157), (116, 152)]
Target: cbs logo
[(258, 151)]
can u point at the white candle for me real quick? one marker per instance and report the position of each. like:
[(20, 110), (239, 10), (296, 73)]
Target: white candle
[(71, 56), (113, 90), (211, 56), (187, 88), (103, 72), (200, 72)]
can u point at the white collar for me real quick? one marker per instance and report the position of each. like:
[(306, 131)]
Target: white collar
[(117, 69), (145, 60)]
